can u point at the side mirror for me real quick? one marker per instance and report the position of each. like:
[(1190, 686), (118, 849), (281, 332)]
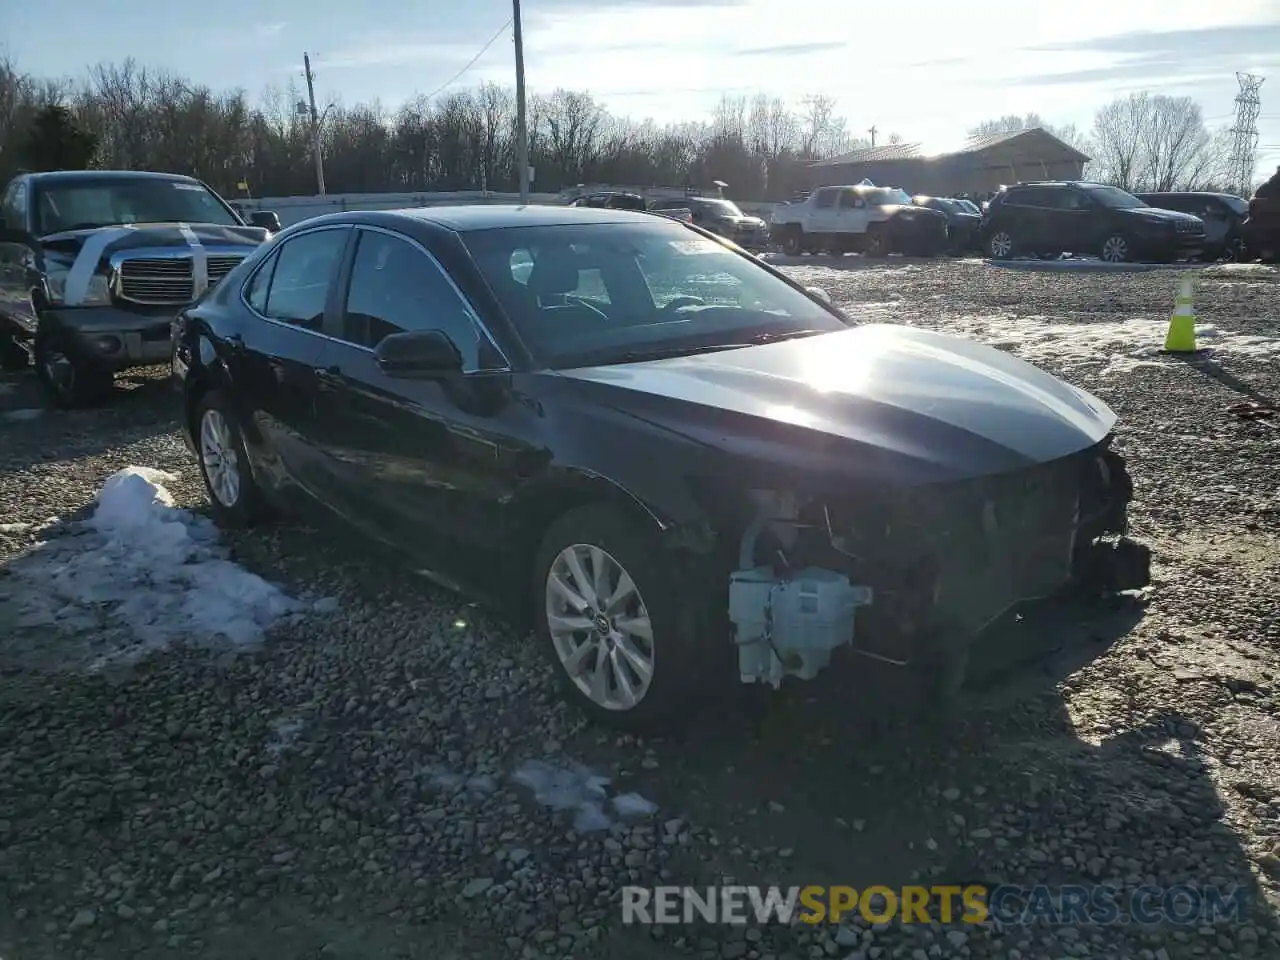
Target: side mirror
[(267, 219), (820, 293), (418, 354)]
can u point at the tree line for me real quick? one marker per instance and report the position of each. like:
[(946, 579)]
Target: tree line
[(129, 116)]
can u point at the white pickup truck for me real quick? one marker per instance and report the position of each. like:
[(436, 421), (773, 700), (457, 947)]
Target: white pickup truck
[(859, 218)]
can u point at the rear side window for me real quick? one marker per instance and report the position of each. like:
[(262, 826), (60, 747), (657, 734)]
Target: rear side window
[(259, 284), (825, 199), (303, 270), (13, 209)]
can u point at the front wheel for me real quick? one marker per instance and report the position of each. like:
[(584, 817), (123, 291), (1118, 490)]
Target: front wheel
[(615, 623), (69, 380), (224, 463), (1000, 245)]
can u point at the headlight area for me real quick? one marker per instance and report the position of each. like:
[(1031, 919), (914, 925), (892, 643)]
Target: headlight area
[(786, 620), (97, 292)]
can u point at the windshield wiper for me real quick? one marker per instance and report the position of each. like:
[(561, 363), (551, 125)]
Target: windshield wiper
[(774, 337), (662, 353)]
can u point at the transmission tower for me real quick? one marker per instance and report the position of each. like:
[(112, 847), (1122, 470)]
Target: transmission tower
[(1244, 146)]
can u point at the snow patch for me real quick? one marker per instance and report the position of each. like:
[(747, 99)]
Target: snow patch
[(139, 575), (1084, 265), (284, 731), (575, 788), (1244, 269), (1118, 347)]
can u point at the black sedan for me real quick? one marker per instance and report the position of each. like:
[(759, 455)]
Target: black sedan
[(962, 222), (676, 463)]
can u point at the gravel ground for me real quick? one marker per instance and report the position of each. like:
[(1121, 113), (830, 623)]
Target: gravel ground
[(347, 790)]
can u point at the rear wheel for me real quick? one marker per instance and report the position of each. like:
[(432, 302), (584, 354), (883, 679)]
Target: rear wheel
[(69, 380), (1116, 248), (793, 241), (619, 629), (877, 243), (224, 463)]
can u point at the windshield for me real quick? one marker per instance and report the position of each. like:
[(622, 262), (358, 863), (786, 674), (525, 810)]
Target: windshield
[(585, 294), (968, 206), (879, 196), (1115, 198), (721, 208), (81, 204)]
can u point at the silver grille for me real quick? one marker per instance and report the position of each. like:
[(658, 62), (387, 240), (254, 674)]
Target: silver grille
[(167, 280)]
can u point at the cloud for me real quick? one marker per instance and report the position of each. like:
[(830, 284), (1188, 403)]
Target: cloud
[(1238, 40), (265, 31), (792, 49)]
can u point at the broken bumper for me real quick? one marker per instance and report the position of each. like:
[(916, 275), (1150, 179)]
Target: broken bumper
[(928, 569)]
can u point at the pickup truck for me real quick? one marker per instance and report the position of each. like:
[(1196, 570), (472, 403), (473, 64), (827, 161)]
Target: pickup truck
[(859, 218), (95, 264)]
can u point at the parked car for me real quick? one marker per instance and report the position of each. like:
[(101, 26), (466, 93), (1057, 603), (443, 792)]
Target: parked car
[(962, 223), (720, 216), (1223, 215), (669, 458), (611, 200), (1047, 219), (968, 205), (859, 218), (94, 265)]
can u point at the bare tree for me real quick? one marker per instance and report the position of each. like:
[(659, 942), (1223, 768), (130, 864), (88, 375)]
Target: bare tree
[(1157, 143)]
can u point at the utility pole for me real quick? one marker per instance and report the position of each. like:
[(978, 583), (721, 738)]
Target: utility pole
[(873, 131), (315, 124), (522, 129)]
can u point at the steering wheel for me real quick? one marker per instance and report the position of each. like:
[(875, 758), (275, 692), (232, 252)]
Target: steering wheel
[(671, 306)]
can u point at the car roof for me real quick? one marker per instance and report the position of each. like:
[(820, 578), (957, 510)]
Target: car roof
[(469, 218), (59, 176)]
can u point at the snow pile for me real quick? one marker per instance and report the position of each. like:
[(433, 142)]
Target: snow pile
[(139, 575), (1119, 347), (577, 789), (1233, 270)]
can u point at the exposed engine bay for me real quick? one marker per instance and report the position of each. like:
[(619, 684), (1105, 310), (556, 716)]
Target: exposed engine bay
[(900, 574)]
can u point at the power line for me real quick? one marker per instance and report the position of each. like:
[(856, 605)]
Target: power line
[(472, 62)]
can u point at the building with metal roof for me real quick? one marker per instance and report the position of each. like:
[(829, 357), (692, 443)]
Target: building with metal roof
[(980, 167)]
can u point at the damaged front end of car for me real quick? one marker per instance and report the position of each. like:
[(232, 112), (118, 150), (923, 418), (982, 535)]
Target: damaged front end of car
[(907, 575)]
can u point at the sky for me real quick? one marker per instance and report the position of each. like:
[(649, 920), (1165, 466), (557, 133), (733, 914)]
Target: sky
[(927, 70)]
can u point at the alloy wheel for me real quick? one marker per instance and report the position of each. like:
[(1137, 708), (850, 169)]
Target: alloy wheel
[(1115, 249), (219, 458), (600, 627), (1001, 245), (59, 370)]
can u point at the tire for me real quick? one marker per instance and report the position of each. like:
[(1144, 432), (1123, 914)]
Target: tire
[(793, 241), (1001, 245), (236, 498), (69, 381), (1116, 248), (12, 355), (678, 654), (877, 243)]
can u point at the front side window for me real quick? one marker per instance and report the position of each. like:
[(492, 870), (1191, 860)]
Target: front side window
[(303, 270), (395, 288), (104, 202), (581, 294)]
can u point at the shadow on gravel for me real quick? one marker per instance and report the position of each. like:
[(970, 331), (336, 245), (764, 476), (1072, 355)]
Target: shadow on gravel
[(139, 408), (850, 262), (1214, 370), (827, 789)]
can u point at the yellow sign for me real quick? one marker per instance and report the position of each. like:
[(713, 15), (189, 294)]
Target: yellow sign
[(881, 904)]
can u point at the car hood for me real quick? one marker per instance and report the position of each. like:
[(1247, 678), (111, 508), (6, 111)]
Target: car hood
[(1150, 214), (743, 221), (136, 235), (877, 402)]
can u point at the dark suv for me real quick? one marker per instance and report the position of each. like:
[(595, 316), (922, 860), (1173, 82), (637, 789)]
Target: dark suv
[(1223, 214), (1051, 218)]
